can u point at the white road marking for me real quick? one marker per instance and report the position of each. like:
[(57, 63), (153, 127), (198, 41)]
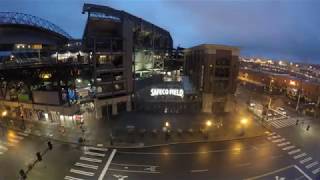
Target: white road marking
[(3, 148), (82, 172), (23, 134), (279, 140), (288, 148), (283, 144), (13, 140), (91, 159), (104, 171), (8, 143), (17, 137), (119, 176), (72, 178), (300, 170), (312, 164), (275, 137), (94, 154), (316, 171), (299, 156), (271, 134), (97, 148), (294, 151), (141, 165), (305, 160), (199, 170), (281, 123), (86, 165), (134, 171)]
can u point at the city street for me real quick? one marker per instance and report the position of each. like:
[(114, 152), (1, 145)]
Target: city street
[(253, 158), (288, 152)]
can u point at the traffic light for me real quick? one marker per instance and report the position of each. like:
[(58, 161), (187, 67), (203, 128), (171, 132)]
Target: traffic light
[(49, 145), (22, 174), (39, 157)]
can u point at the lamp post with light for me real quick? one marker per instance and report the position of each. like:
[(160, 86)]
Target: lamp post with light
[(3, 114), (206, 132), (243, 123), (167, 130)]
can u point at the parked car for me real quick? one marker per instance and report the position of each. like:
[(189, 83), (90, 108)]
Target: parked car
[(281, 110)]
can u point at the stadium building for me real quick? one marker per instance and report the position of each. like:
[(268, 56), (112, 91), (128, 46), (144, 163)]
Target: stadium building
[(46, 74)]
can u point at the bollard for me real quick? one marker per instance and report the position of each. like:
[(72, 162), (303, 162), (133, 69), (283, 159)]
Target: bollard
[(308, 127), (297, 122)]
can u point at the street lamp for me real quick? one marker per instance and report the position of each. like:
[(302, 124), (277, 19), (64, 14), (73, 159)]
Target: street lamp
[(4, 113), (167, 124), (208, 123), (244, 121)]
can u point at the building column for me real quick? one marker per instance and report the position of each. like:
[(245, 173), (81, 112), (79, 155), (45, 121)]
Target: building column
[(114, 109), (129, 106), (98, 109)]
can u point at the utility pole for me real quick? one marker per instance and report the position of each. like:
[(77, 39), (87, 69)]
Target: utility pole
[(299, 96), (268, 109)]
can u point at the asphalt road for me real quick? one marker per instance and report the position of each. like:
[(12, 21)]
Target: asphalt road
[(255, 158)]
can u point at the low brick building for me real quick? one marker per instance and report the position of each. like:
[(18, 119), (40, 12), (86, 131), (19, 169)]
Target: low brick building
[(213, 70)]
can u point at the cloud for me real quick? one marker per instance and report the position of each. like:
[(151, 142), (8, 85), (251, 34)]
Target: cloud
[(286, 29)]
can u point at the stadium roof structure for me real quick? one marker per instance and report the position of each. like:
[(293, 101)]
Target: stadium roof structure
[(14, 18)]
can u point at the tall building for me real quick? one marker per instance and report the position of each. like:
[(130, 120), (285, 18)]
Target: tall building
[(123, 47), (46, 74), (213, 70)]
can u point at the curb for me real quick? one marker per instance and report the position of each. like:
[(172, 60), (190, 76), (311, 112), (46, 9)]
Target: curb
[(143, 146), (190, 142)]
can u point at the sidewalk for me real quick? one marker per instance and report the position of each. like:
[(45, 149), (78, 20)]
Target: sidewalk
[(136, 129), (146, 129)]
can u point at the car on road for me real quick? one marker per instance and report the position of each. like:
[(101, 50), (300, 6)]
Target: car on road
[(281, 110)]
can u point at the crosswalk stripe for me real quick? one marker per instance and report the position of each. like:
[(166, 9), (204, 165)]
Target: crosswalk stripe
[(82, 172), (22, 134), (316, 171), (305, 160), (312, 164), (3, 148), (271, 134), (72, 178), (283, 144), (299, 156), (8, 143), (94, 154), (13, 140), (279, 140), (97, 148), (288, 148), (275, 137), (91, 159), (17, 137), (281, 123), (294, 151), (86, 165)]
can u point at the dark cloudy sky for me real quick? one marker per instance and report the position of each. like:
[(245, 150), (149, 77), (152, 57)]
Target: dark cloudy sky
[(282, 29)]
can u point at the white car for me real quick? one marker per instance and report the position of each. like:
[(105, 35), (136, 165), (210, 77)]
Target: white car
[(282, 111)]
